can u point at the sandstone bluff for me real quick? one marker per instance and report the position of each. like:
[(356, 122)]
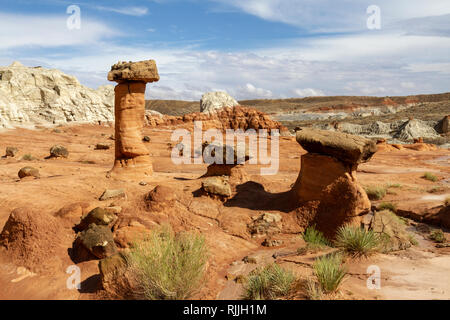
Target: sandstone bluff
[(32, 96)]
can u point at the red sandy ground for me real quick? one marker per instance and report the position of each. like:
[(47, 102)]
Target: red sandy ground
[(415, 273)]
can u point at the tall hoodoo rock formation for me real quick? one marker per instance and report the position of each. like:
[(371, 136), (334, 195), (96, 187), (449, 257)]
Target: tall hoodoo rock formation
[(328, 177), (131, 154), (40, 96)]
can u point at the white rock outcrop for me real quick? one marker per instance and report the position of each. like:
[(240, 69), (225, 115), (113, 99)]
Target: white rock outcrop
[(37, 96), (213, 101)]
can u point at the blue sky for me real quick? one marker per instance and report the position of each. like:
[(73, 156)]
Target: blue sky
[(249, 48)]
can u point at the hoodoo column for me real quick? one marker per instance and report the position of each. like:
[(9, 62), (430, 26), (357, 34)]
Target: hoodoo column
[(131, 155)]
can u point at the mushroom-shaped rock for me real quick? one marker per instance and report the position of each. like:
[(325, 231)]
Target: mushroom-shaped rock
[(327, 179), (345, 147), (131, 154), (144, 71), (226, 160)]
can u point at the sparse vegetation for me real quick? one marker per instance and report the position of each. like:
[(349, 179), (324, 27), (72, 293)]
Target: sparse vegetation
[(315, 239), (413, 240), (27, 157), (387, 206), (268, 283), (393, 185), (430, 177), (313, 290), (437, 236), (330, 272), (357, 241), (435, 189), (168, 265), (376, 192)]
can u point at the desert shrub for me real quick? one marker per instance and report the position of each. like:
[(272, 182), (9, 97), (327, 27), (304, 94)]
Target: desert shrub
[(393, 185), (429, 176), (387, 206), (376, 192), (27, 157), (413, 240), (438, 236), (313, 290), (268, 283), (357, 241), (435, 189), (314, 238), (330, 272), (167, 265)]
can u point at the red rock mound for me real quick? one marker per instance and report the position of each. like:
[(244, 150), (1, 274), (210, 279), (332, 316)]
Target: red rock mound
[(34, 240)]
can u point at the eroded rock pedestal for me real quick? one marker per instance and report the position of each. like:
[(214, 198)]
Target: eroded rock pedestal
[(326, 189), (131, 154)]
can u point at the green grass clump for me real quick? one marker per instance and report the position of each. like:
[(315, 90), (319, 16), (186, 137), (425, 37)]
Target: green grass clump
[(168, 266), (429, 176), (437, 236), (329, 272), (387, 206), (315, 237), (376, 192), (268, 283), (27, 157), (413, 240), (313, 290), (357, 241), (393, 185)]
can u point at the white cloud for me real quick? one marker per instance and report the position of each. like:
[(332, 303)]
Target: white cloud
[(408, 85), (328, 16), (129, 11), (430, 67), (308, 92), (49, 31), (249, 91)]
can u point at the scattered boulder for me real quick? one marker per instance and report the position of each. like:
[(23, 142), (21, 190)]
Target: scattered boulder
[(102, 146), (218, 186), (213, 101), (11, 151), (98, 216), (265, 224), (58, 151), (271, 243), (28, 172), (112, 194), (146, 139), (96, 242)]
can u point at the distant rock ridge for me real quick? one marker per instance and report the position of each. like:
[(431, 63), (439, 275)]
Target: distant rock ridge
[(32, 96)]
